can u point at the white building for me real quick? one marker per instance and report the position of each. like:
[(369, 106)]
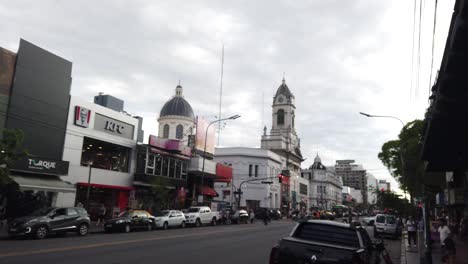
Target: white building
[(100, 146), (384, 185), (284, 141), (351, 195), (251, 164), (372, 186), (325, 185)]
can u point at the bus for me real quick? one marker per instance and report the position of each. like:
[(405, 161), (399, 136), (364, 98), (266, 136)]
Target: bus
[(340, 210)]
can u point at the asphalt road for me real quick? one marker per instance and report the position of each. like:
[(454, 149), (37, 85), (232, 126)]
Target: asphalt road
[(220, 244), (393, 246)]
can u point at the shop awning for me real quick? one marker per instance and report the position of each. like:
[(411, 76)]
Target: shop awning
[(44, 183), (208, 191), (104, 186)]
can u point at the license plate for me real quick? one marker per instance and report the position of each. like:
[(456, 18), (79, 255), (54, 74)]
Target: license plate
[(13, 229), (109, 225)]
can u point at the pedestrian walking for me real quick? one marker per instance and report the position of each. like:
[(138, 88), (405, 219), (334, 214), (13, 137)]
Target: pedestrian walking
[(411, 228), (251, 216), (101, 214), (446, 242), (266, 217)]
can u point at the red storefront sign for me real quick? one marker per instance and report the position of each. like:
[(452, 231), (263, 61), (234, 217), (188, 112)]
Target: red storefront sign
[(223, 173)]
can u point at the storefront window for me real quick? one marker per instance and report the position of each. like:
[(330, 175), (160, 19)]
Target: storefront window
[(105, 155), (178, 169), (141, 162), (165, 166), (171, 168), (184, 170), (158, 164)]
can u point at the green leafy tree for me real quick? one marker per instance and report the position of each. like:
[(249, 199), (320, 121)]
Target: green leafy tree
[(10, 144), (391, 200), (402, 158), (160, 193)]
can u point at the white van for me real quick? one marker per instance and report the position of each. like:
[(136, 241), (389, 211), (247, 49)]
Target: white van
[(386, 225)]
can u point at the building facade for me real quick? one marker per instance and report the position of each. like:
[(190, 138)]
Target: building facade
[(100, 145), (353, 175), (372, 187), (35, 90), (254, 165), (284, 141), (325, 185)]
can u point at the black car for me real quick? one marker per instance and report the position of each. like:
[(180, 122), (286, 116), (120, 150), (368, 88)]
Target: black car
[(323, 241), (130, 220), (51, 220)]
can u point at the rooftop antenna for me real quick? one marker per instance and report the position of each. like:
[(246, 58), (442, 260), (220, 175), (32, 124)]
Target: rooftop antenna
[(220, 94), (263, 108)]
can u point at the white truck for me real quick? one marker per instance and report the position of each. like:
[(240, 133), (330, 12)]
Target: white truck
[(201, 215)]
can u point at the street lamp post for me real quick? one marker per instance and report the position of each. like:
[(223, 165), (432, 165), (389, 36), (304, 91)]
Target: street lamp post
[(368, 115), (403, 125), (89, 184), (204, 149)]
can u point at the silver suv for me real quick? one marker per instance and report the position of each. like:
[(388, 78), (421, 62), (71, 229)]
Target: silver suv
[(386, 225)]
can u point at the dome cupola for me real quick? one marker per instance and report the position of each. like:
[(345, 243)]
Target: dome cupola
[(177, 106)]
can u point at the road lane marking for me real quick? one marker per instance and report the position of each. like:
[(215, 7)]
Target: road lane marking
[(114, 243)]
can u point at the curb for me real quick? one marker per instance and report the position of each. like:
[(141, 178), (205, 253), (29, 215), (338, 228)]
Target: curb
[(404, 235)]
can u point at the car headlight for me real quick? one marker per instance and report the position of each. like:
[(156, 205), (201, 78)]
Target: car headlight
[(119, 221)]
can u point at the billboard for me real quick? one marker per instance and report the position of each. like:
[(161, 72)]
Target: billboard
[(202, 126)]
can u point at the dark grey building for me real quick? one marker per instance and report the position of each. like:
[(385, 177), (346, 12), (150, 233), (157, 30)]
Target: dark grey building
[(109, 101), (36, 88), (39, 100)]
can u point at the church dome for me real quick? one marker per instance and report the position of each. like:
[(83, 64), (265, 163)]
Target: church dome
[(317, 164), (177, 106), (284, 90)]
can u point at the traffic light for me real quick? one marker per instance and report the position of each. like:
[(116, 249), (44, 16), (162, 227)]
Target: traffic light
[(280, 178)]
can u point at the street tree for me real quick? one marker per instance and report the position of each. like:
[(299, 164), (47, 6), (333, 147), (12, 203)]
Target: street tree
[(402, 157), (10, 151), (160, 193)]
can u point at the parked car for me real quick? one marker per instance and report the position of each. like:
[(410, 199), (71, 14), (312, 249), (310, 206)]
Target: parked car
[(240, 217), (386, 225), (274, 214), (42, 222), (201, 215), (130, 220), (321, 241), (169, 218), (369, 220)]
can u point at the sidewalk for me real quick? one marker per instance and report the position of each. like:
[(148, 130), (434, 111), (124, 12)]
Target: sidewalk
[(412, 255)]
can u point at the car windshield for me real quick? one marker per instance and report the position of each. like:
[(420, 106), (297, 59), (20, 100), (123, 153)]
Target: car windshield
[(193, 210), (391, 220), (328, 234), (126, 214), (162, 213), (42, 212), (380, 219)]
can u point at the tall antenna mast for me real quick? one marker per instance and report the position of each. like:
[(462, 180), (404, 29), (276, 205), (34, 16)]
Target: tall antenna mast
[(263, 109), (220, 94)]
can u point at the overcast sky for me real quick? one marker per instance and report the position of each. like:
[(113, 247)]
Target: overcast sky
[(339, 58)]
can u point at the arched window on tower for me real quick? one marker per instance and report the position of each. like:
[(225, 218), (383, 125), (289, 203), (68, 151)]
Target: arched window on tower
[(292, 119), (280, 117), (166, 131), (179, 132)]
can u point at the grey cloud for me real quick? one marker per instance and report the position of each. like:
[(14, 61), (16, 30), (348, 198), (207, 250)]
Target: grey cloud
[(140, 50)]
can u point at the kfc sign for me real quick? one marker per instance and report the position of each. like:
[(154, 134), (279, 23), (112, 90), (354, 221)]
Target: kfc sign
[(82, 116)]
